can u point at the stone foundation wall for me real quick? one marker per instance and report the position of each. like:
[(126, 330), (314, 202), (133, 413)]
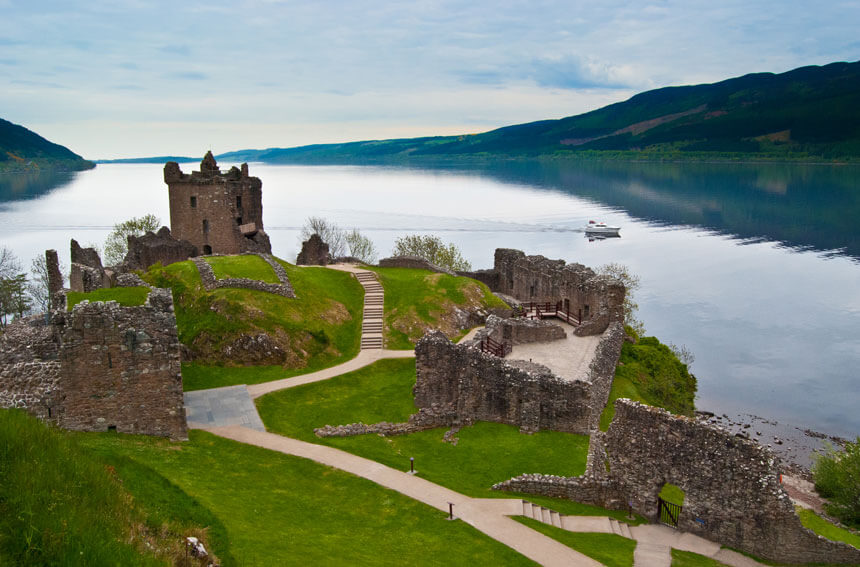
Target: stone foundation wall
[(490, 278), (519, 331), (120, 368), (458, 384), (210, 282)]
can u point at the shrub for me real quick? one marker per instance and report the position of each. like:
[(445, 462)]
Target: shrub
[(432, 249), (837, 478), (116, 244)]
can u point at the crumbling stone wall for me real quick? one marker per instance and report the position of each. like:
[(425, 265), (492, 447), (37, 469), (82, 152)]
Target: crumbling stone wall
[(120, 368), (596, 300), (87, 273), (216, 212), (155, 247), (458, 384), (731, 484), (314, 252), (29, 365), (519, 331), (413, 262)]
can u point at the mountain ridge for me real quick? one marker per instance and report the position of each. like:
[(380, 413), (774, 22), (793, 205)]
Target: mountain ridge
[(22, 149)]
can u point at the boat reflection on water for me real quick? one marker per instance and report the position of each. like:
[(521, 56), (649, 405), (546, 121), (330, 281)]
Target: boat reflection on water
[(601, 231), (594, 237)]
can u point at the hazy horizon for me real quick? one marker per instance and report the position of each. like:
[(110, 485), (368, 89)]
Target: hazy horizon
[(131, 79)]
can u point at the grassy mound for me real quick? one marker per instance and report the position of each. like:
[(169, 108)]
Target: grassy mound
[(822, 527), (248, 266), (283, 510), (128, 296), (485, 454), (61, 505), (649, 372), (419, 300), (321, 327)]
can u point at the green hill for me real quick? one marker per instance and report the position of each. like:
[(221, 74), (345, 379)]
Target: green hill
[(810, 113), (24, 150)]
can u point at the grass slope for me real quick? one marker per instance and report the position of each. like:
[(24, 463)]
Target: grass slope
[(822, 527), (690, 559), (485, 454), (283, 510), (417, 300), (128, 296), (61, 506), (321, 327), (649, 372), (610, 549)]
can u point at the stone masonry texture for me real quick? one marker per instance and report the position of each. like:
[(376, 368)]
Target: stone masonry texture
[(597, 300), (155, 247), (458, 384), (220, 213), (732, 486), (121, 368)]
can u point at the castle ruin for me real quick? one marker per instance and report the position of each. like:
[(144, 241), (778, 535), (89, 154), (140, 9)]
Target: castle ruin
[(218, 213)]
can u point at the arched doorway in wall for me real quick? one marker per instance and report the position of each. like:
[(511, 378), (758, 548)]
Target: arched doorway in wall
[(207, 250), (670, 503)]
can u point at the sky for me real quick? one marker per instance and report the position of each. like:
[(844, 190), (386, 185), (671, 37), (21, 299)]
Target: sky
[(128, 78)]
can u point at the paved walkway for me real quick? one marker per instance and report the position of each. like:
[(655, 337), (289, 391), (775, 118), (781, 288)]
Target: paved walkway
[(222, 406), (569, 358)]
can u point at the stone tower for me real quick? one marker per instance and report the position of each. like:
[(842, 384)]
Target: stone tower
[(219, 213)]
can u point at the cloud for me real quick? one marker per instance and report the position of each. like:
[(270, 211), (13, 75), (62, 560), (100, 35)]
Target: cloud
[(573, 72), (188, 76)]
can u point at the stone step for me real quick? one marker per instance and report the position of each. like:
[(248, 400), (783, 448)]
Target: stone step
[(555, 518)]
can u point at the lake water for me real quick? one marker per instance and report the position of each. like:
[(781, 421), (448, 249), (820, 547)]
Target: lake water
[(755, 268)]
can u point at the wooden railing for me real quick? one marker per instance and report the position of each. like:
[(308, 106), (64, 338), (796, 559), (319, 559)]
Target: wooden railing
[(495, 348), (532, 310)]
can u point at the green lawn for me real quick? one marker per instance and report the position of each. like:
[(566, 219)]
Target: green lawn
[(486, 453), (672, 494), (128, 296), (419, 299), (245, 266), (690, 559), (321, 327), (610, 549), (283, 510), (822, 527)]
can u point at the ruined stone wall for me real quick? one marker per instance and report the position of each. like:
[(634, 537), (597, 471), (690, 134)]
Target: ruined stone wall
[(490, 278), (732, 489), (210, 282), (598, 300), (217, 212), (152, 248), (120, 368), (519, 331), (87, 273), (29, 365), (314, 252), (457, 384), (413, 262)]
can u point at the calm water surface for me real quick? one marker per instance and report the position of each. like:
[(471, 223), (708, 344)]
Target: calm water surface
[(754, 268)]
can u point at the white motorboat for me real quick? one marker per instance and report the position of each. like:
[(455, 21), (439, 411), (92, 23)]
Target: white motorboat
[(601, 228)]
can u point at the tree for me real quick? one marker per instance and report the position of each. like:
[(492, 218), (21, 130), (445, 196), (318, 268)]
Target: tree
[(13, 297), (329, 232), (432, 249), (360, 246), (837, 478), (631, 283), (39, 287), (116, 244), (9, 264)]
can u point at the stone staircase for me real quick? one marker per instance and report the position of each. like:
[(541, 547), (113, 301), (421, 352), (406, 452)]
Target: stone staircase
[(374, 299), (600, 524)]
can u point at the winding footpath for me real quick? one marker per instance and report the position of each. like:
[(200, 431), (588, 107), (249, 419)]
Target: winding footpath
[(230, 413)]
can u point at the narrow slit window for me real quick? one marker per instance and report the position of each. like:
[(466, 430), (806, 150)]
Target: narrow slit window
[(193, 202), (205, 226), (238, 202)]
